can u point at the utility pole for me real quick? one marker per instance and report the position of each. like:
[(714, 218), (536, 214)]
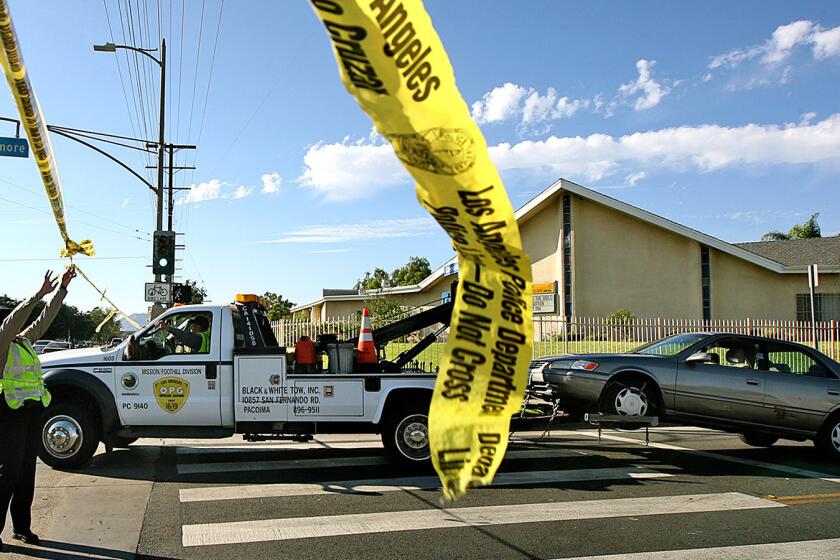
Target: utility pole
[(172, 168), (160, 146)]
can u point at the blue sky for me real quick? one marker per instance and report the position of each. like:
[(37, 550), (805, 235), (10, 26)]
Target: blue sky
[(721, 116)]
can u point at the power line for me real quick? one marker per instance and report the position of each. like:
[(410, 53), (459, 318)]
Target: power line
[(42, 195), (78, 221), (141, 126), (119, 69), (133, 43), (195, 75), (180, 69), (64, 259), (206, 98), (210, 75)]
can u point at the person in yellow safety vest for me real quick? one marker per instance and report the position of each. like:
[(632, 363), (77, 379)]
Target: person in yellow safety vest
[(196, 339), (23, 397)]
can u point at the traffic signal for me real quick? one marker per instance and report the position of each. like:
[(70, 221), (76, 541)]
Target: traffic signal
[(182, 293), (163, 253)]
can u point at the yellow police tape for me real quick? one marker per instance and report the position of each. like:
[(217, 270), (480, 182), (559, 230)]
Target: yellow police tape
[(36, 129), (392, 61), (105, 299)]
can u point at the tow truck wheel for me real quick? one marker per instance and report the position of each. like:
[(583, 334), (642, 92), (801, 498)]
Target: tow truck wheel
[(69, 436), (406, 435)]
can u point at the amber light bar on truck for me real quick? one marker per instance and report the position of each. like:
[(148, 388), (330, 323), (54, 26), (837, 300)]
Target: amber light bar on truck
[(252, 298)]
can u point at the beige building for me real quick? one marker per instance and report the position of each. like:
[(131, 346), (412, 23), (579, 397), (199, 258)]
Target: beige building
[(592, 255)]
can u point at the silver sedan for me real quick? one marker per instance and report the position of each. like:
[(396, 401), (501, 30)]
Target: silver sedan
[(759, 387)]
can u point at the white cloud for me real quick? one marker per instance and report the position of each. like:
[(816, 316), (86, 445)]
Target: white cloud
[(634, 178), (242, 192), (785, 38), (650, 91), (704, 148), (210, 190), (499, 104), (526, 105), (126, 202), (806, 118), (271, 182), (348, 171), (214, 189), (782, 43), (539, 108), (826, 43), (364, 231)]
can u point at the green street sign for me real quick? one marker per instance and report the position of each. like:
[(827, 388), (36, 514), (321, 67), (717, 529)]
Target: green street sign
[(14, 147)]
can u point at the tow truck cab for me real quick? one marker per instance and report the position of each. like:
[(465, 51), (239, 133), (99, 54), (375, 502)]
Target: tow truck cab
[(210, 371)]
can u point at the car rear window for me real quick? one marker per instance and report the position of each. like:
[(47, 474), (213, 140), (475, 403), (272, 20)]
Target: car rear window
[(789, 359)]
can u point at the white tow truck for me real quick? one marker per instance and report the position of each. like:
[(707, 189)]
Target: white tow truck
[(155, 384)]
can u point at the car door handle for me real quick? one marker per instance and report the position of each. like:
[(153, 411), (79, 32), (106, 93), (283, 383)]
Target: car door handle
[(834, 393), (752, 382)]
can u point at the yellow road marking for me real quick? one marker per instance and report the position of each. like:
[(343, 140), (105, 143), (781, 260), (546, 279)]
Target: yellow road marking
[(804, 499)]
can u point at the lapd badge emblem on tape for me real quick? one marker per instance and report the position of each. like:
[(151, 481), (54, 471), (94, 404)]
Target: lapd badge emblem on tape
[(171, 393), (445, 151)]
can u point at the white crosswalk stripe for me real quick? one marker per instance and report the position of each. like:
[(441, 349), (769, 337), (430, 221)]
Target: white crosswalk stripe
[(412, 483), (826, 549), (414, 520), (199, 534), (365, 461)]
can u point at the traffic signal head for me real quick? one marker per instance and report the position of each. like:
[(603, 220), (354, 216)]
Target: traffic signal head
[(182, 293), (163, 253)]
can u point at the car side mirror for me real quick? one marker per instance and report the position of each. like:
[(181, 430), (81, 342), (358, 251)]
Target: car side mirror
[(701, 358)]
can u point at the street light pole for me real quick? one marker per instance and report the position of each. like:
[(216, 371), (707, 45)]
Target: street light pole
[(111, 47)]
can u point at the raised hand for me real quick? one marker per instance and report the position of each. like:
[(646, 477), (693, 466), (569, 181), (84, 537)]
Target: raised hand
[(68, 276), (48, 286)]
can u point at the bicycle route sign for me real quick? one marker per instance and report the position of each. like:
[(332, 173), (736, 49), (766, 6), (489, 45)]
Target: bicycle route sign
[(158, 292)]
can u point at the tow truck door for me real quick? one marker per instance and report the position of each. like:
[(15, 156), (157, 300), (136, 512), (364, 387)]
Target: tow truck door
[(179, 388)]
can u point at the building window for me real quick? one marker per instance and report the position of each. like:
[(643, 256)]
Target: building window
[(706, 282), (826, 307), (567, 255)]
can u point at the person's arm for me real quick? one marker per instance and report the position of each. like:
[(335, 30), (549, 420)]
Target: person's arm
[(15, 321), (40, 325), (187, 338)]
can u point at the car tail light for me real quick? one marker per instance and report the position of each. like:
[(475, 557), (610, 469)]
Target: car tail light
[(585, 365)]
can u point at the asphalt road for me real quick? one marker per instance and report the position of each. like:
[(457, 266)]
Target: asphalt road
[(697, 493)]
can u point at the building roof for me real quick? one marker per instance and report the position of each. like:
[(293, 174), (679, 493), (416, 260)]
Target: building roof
[(771, 259), (798, 252)]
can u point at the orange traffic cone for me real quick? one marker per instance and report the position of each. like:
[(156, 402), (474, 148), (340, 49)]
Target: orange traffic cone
[(366, 349)]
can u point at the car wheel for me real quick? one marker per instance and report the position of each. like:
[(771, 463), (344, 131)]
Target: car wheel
[(69, 436), (758, 439), (828, 439), (405, 435), (634, 397)]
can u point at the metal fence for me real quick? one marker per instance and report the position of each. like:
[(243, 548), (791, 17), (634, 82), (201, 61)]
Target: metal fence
[(554, 334)]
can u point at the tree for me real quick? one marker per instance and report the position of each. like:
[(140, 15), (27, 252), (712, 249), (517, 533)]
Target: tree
[(413, 272), (375, 280), (198, 294), (109, 330), (806, 230), (383, 309), (278, 306)]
